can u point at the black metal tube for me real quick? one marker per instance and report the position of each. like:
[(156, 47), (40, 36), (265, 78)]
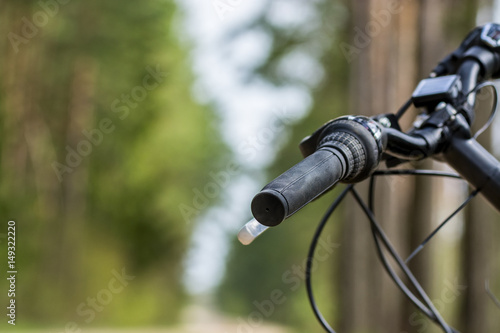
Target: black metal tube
[(469, 73), (405, 146), (476, 165)]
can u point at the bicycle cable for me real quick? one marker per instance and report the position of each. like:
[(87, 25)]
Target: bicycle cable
[(428, 308), (494, 107), (404, 108), (310, 256)]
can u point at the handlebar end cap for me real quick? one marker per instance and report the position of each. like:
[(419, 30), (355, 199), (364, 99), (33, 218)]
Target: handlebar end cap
[(269, 207)]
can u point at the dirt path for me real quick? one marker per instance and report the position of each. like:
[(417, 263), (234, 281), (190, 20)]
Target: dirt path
[(196, 320)]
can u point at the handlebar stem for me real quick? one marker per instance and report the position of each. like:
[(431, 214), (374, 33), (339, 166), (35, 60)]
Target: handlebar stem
[(405, 146)]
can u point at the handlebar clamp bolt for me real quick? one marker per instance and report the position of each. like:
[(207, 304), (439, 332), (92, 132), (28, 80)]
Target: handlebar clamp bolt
[(384, 121), (441, 106)]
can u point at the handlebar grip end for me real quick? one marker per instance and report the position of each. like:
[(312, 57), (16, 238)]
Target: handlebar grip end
[(250, 231), (275, 207)]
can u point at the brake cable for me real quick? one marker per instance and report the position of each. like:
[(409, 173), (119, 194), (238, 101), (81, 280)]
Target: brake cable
[(428, 308), (494, 107)]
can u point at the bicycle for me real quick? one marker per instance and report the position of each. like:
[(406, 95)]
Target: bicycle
[(349, 149)]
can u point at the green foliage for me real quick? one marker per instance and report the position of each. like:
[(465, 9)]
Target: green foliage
[(118, 207), (278, 257), (276, 262)]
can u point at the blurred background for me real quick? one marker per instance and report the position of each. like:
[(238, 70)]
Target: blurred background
[(134, 135)]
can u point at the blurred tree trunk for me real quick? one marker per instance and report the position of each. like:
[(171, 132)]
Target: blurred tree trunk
[(478, 256), (432, 48), (384, 74), (29, 149), (92, 216), (478, 260)]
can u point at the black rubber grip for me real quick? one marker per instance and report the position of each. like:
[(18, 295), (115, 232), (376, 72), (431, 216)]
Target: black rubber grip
[(346, 149), (298, 186), (352, 150)]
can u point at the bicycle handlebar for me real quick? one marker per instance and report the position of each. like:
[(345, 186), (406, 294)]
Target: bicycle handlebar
[(476, 165), (349, 149), (298, 186), (346, 149)]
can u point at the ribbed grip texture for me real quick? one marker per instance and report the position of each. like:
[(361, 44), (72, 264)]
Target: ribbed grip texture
[(346, 149), (351, 148)]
